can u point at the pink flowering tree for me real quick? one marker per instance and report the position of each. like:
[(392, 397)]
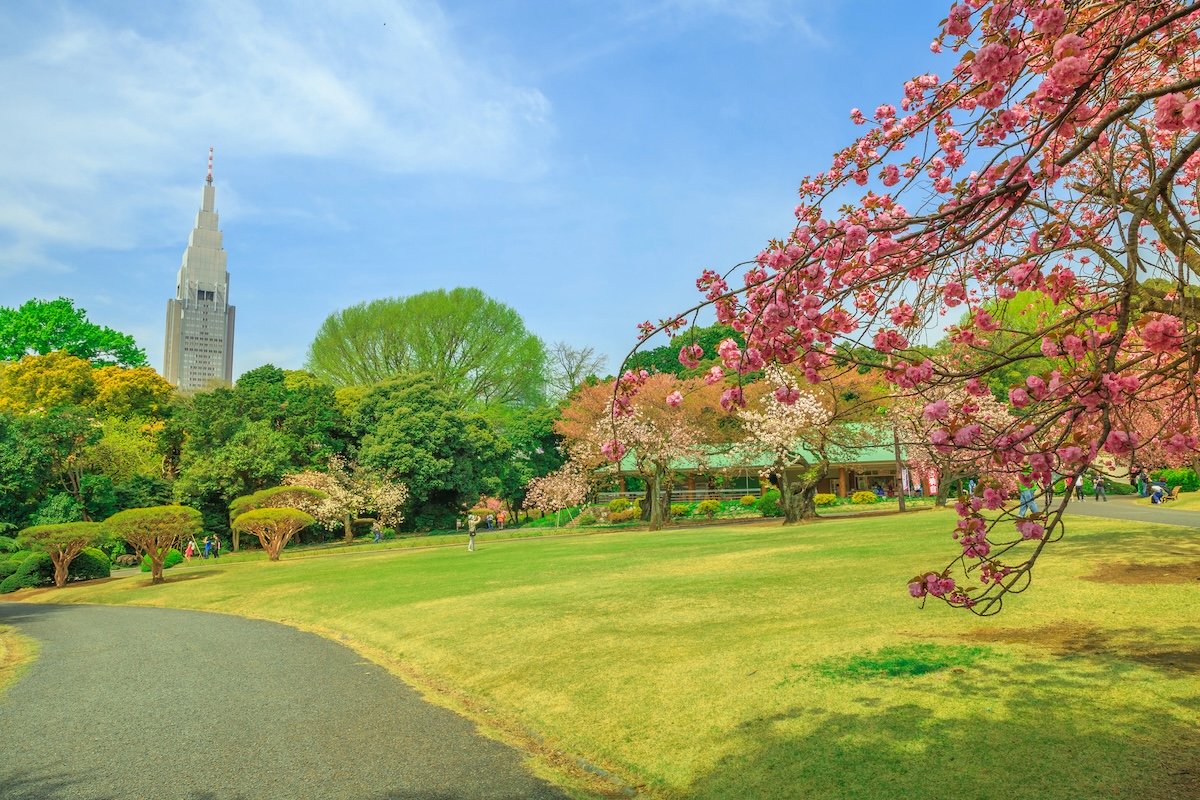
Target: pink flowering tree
[(1057, 155), (348, 491), (800, 431), (923, 424), (566, 487), (655, 430)]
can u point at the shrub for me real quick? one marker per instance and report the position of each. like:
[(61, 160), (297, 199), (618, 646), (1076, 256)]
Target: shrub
[(8, 568), (624, 516), (864, 498), (172, 558), (618, 504), (18, 556), (8, 544), (37, 570), (825, 500), (679, 509), (587, 519), (91, 563), (768, 504), (708, 508), (1184, 478), (748, 500)]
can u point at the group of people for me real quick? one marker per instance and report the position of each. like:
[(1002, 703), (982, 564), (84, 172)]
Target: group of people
[(211, 548)]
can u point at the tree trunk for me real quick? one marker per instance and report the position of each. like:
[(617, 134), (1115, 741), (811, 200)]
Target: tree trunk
[(349, 529), (156, 568), (660, 499), (273, 549), (60, 569), (235, 540)]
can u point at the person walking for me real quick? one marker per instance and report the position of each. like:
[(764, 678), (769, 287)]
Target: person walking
[(1028, 503), (1143, 478), (216, 547), (376, 532), (472, 523), (500, 520), (188, 552), (1079, 486), (1098, 488), (207, 546)]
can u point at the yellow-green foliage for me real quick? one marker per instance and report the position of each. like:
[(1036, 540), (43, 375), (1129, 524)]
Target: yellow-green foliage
[(864, 498), (708, 508), (748, 500), (823, 499), (618, 504)]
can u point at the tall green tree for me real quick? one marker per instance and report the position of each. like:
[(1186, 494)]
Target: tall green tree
[(474, 348), (43, 326), (414, 431), (234, 441)]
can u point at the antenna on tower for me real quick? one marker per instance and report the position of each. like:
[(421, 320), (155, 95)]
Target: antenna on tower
[(210, 155)]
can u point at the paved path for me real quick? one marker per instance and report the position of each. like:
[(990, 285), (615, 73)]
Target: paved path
[(162, 704), (1124, 507)]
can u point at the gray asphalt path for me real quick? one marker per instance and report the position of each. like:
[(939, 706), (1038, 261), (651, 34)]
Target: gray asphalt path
[(1124, 507), (158, 703)]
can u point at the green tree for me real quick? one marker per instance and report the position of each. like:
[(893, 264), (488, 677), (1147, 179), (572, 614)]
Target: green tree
[(62, 542), (154, 531), (475, 348), (44, 326), (234, 441), (534, 450), (665, 358), (301, 498), (413, 430), (273, 527)]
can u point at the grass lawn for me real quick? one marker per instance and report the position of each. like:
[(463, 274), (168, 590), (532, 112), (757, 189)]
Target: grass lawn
[(770, 662), (15, 652)]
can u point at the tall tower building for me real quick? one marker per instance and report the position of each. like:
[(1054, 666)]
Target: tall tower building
[(199, 346)]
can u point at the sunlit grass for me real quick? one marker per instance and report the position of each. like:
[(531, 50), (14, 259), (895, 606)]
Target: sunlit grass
[(16, 651), (688, 663)]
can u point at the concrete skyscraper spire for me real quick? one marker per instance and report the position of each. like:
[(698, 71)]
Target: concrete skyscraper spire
[(199, 344)]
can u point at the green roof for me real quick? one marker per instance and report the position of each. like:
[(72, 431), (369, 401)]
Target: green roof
[(720, 458)]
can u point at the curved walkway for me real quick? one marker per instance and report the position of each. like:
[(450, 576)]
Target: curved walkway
[(1124, 507), (159, 703)]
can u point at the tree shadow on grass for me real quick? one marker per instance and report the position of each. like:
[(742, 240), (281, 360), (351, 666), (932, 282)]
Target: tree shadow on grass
[(1119, 540), (16, 784), (1172, 651), (1043, 738)]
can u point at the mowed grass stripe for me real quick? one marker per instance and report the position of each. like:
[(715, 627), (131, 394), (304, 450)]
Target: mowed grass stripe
[(697, 663)]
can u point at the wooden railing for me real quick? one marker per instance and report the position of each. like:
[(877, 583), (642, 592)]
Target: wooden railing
[(681, 495)]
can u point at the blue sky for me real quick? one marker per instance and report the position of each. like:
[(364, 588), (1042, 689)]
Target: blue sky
[(579, 161)]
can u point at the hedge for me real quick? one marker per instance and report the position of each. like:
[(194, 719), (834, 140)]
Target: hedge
[(172, 558), (37, 570)]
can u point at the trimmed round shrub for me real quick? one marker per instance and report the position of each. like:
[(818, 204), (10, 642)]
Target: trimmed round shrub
[(823, 499), (90, 564), (708, 508), (18, 556), (768, 504), (8, 568), (863, 498), (748, 501), (624, 516), (173, 557), (37, 570), (587, 519), (618, 504), (679, 509), (1184, 478)]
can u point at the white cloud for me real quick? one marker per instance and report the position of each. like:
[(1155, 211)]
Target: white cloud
[(107, 118)]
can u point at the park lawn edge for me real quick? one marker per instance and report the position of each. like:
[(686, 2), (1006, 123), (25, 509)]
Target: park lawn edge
[(572, 773), (17, 652)]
